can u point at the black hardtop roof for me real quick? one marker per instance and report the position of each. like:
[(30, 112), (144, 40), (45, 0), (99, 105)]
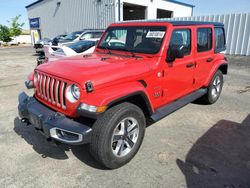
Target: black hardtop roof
[(178, 23)]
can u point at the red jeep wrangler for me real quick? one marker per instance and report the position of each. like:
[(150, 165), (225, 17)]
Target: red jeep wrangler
[(140, 71)]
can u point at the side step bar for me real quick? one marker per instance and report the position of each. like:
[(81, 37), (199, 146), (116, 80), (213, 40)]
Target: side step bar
[(172, 107)]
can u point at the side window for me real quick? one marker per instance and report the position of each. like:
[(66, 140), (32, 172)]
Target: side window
[(220, 42), (181, 37), (86, 36), (97, 35), (204, 39)]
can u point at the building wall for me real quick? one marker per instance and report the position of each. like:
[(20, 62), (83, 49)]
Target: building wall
[(152, 6), (23, 39), (72, 15), (237, 28)]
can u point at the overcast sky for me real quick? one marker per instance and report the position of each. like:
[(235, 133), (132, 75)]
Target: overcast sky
[(11, 8)]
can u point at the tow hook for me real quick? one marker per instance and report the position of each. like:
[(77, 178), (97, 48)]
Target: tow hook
[(29, 84)]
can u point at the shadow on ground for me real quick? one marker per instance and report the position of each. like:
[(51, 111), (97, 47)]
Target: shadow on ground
[(52, 149), (220, 158)]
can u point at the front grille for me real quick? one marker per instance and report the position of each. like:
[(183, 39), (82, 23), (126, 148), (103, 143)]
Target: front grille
[(51, 89)]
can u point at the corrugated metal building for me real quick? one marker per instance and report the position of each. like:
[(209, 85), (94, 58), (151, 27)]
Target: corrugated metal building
[(49, 18), (237, 28)]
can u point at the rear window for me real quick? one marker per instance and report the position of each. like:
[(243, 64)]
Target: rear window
[(97, 35), (79, 47), (220, 41), (204, 39)]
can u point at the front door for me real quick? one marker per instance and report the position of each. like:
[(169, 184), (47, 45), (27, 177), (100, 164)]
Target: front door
[(178, 75)]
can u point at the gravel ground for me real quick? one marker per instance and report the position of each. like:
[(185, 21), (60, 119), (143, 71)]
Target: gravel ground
[(197, 146)]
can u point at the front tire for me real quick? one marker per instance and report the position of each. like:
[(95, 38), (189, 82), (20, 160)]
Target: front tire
[(117, 135)]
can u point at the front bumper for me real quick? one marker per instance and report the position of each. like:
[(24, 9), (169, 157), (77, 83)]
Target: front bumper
[(53, 124)]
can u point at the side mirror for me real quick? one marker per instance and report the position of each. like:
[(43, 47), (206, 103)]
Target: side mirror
[(174, 52)]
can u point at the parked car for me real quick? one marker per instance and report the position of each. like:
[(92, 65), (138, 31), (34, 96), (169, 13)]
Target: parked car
[(53, 53), (46, 41), (107, 98), (40, 43), (81, 35), (11, 43), (57, 38)]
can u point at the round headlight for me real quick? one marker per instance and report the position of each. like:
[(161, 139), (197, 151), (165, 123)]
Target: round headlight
[(73, 93)]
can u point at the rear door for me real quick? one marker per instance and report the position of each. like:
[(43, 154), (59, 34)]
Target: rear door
[(204, 53), (178, 75)]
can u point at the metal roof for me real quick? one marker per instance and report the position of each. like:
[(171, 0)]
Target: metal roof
[(180, 3), (36, 2), (172, 1), (175, 23)]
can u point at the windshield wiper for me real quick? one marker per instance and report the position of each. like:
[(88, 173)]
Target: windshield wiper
[(131, 51), (106, 48)]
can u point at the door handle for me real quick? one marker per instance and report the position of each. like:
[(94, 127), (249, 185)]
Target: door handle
[(209, 60), (190, 65)]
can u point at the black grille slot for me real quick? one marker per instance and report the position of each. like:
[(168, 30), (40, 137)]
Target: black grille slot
[(52, 90)]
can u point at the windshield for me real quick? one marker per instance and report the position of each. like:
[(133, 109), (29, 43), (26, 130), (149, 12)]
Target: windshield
[(73, 36), (79, 47), (145, 39)]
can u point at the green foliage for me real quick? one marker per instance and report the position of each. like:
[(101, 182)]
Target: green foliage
[(15, 26), (5, 35)]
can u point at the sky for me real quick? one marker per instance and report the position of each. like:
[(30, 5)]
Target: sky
[(11, 8)]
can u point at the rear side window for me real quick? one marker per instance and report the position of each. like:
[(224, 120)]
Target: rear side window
[(204, 39), (97, 35), (181, 37), (86, 36), (220, 42)]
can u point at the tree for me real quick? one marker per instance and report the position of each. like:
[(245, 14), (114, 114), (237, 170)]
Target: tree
[(5, 35), (15, 26)]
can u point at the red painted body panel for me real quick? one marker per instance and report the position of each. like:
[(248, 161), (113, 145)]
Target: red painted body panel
[(218, 62), (178, 79), (117, 75)]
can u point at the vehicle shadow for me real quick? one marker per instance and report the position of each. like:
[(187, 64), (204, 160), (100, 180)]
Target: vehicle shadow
[(220, 158), (52, 149), (38, 141)]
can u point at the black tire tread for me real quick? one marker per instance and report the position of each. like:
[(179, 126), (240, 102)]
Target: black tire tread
[(100, 131)]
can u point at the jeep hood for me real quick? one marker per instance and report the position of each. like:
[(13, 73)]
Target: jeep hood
[(100, 70)]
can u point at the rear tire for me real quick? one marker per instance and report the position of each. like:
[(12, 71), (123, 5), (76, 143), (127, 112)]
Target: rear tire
[(214, 89), (117, 135)]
